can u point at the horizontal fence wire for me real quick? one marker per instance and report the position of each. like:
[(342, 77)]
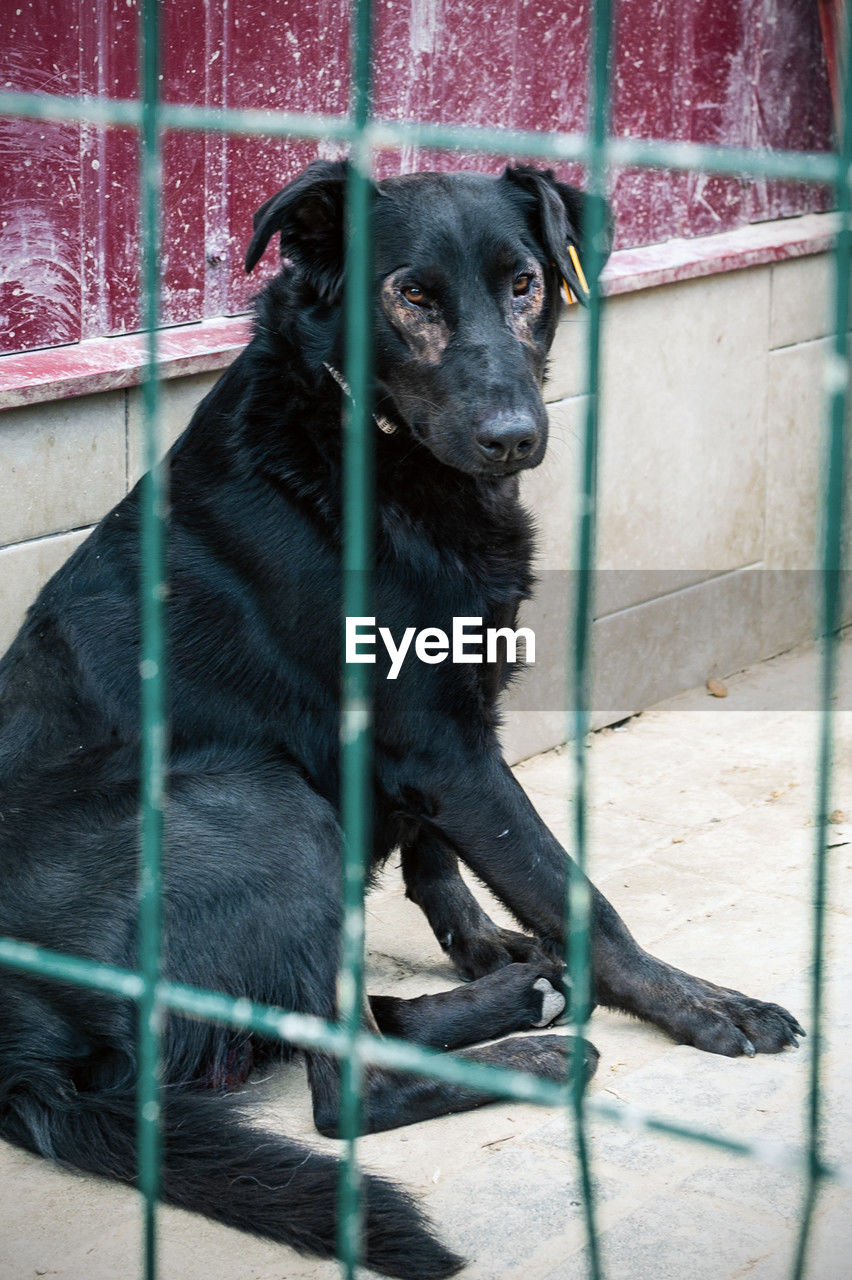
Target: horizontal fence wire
[(346, 1040), (306, 1032), (823, 167)]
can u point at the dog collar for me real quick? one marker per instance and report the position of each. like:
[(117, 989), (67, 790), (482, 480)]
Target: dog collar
[(383, 423)]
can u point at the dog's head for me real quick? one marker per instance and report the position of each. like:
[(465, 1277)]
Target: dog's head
[(468, 276)]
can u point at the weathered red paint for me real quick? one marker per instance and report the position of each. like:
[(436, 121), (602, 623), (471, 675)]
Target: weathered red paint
[(40, 225), (720, 71), (106, 364)]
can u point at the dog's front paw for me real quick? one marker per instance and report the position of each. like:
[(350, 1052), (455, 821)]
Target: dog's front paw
[(723, 1021)]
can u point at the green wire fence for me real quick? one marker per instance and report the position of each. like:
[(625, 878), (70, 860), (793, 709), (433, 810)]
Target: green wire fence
[(346, 1040)]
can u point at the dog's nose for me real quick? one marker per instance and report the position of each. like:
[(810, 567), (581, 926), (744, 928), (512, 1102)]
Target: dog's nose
[(508, 437)]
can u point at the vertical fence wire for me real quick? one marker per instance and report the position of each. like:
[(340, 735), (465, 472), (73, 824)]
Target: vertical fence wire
[(152, 652), (356, 715), (836, 388), (578, 930)]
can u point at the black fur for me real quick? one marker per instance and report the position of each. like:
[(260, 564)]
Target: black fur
[(252, 858)]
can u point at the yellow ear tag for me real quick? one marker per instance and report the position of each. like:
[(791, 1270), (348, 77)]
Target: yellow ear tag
[(568, 294), (576, 262)]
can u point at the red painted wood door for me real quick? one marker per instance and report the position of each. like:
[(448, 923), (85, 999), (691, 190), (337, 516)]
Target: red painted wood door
[(745, 72)]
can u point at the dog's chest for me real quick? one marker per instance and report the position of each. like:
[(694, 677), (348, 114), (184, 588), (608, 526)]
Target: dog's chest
[(458, 552), (424, 583)]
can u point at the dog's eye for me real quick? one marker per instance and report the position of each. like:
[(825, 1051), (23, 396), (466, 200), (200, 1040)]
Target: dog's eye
[(413, 294), (521, 284)]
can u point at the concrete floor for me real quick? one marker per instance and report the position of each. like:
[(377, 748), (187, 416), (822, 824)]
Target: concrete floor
[(702, 836)]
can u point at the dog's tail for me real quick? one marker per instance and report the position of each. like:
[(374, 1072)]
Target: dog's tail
[(217, 1163)]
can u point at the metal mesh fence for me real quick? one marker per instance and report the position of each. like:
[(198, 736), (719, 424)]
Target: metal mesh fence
[(345, 1040)]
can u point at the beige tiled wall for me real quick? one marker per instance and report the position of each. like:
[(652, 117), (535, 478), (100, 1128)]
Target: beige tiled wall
[(179, 400), (709, 480), (710, 491), (24, 569), (62, 466)]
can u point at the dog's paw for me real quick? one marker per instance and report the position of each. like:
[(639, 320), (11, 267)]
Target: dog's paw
[(723, 1021), (518, 998), (477, 954), (550, 1057), (552, 1002)]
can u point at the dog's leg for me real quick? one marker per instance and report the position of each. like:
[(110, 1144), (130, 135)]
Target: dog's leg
[(471, 939), (487, 816), (516, 998), (392, 1099)]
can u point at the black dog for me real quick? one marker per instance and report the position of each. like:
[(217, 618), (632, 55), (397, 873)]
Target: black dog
[(468, 271)]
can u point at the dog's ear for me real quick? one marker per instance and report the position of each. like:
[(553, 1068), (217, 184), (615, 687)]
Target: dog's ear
[(309, 214), (559, 214)]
